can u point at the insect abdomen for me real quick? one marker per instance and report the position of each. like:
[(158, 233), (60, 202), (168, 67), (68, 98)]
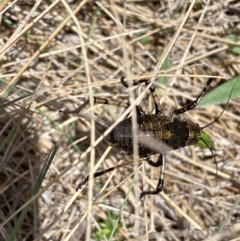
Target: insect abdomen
[(156, 134), (121, 135)]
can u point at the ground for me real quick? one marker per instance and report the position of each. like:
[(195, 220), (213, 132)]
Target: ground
[(56, 55)]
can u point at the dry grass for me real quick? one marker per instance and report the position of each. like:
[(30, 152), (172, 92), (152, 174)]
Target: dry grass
[(55, 57)]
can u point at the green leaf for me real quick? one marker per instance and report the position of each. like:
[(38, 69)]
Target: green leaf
[(162, 80), (106, 227), (221, 94), (206, 140), (234, 38), (167, 64), (146, 40)]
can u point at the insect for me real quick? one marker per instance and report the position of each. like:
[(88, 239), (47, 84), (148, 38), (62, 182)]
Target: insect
[(171, 132)]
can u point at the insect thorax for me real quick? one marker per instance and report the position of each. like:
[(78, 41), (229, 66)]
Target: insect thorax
[(156, 134)]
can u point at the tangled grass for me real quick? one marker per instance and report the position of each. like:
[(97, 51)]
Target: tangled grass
[(54, 56)]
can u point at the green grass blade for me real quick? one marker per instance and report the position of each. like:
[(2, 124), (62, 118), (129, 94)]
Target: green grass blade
[(35, 191), (206, 139), (167, 64), (220, 94)]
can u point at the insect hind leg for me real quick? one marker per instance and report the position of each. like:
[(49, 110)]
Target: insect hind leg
[(103, 172), (159, 163), (98, 100), (195, 102), (96, 174), (152, 90)]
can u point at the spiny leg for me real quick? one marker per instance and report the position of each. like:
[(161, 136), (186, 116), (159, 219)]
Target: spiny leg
[(100, 173), (160, 163), (193, 103), (98, 100), (76, 111), (96, 174), (152, 90)]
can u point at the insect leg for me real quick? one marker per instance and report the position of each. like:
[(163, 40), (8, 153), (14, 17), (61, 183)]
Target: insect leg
[(76, 111), (96, 174), (193, 103), (100, 173), (98, 100), (159, 187), (152, 90)]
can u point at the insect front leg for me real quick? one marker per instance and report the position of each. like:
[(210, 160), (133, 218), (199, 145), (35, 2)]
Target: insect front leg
[(193, 103), (152, 90), (159, 163)]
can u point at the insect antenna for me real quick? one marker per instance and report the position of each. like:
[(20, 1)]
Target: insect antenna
[(213, 155), (201, 139), (224, 108)]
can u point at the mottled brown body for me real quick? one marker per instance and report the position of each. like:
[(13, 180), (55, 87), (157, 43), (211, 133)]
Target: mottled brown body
[(156, 133), (174, 132)]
